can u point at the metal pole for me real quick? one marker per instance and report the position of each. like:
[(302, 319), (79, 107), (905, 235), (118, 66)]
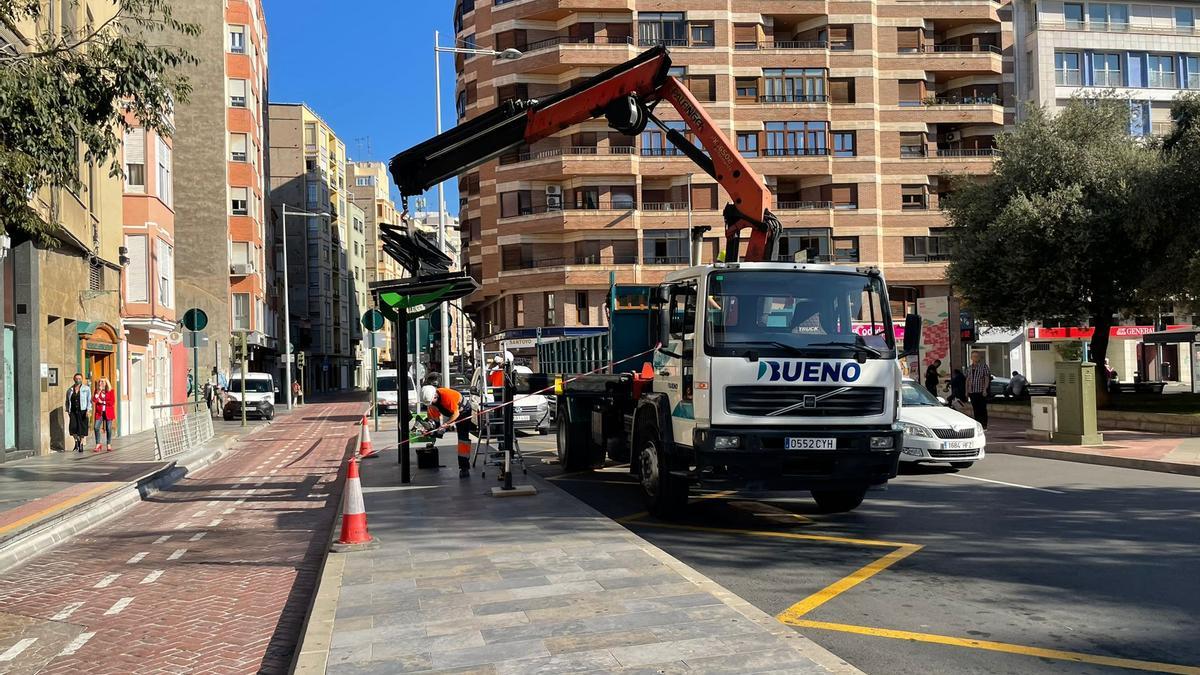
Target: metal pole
[(612, 311), (508, 423), (287, 316), (691, 257), (243, 334), (196, 368), (374, 383), (444, 352), (402, 415)]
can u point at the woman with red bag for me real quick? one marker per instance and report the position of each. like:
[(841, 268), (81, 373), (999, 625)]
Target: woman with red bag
[(104, 402)]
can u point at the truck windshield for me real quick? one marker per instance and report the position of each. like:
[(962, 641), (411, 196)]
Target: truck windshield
[(252, 386), (782, 313)]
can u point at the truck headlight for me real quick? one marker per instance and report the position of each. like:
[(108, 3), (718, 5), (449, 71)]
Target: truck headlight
[(916, 430), (882, 442), (726, 442)]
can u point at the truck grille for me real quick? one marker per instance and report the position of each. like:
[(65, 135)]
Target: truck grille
[(763, 400), (954, 433)]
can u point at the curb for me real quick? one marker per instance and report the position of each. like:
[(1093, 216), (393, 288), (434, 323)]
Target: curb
[(1155, 465)]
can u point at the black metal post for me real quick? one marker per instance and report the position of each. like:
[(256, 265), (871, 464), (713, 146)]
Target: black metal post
[(509, 432), (403, 418)]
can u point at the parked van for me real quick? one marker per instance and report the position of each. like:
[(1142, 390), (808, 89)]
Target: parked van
[(385, 393), (259, 390)]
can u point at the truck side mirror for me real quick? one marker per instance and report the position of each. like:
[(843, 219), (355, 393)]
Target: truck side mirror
[(912, 335), (664, 318)]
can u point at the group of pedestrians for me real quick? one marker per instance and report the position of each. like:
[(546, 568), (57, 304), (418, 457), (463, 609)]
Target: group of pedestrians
[(100, 403), (965, 387)]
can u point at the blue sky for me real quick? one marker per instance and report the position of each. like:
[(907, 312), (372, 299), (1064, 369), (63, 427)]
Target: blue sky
[(366, 67)]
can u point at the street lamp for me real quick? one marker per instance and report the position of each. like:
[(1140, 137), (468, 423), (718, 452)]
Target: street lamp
[(509, 53), (287, 312)]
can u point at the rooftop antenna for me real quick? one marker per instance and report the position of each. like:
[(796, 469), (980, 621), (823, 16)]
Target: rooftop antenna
[(364, 143)]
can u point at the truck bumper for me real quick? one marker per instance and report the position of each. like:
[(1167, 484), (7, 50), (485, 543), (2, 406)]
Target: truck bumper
[(762, 463)]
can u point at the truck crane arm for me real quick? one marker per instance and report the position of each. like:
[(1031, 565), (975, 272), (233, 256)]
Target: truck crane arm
[(626, 96)]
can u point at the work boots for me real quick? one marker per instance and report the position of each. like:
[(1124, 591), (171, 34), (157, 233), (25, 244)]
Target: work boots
[(464, 467)]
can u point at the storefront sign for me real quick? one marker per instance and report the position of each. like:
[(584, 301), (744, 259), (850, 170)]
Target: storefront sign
[(106, 347), (864, 329), (1086, 333)]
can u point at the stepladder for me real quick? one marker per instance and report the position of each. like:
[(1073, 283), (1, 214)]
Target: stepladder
[(489, 443)]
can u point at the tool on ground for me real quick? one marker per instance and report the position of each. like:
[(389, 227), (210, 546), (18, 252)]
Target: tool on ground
[(354, 514)]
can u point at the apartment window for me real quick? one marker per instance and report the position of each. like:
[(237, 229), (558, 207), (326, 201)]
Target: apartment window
[(843, 197), (166, 274), (581, 308), (135, 160), (137, 272), (793, 85), (1073, 15), (239, 253), (911, 92), (1066, 69), (655, 143), (518, 311), (517, 203), (908, 40), (914, 197), (804, 245), (843, 144), (1106, 70), (745, 36), (934, 248), (313, 196), (241, 311), (1162, 71), (163, 178), (1185, 19), (841, 90), (912, 144), (845, 249), (747, 143), (703, 87), (512, 92), (310, 135), (796, 138), (1193, 71), (587, 198), (237, 147), (702, 34), (841, 38), (239, 201), (237, 93), (665, 247), (237, 39), (662, 28), (746, 88), (623, 196), (548, 299), (364, 181), (1103, 16)]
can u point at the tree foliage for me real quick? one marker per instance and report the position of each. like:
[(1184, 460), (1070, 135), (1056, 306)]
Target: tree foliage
[(72, 89), (1080, 221)]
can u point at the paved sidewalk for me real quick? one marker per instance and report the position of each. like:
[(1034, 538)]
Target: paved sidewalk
[(1129, 449), (466, 582)]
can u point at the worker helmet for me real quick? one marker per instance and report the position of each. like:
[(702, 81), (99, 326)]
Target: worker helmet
[(428, 394)]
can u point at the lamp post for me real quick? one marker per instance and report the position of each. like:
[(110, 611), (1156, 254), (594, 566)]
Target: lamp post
[(437, 70), (287, 313)]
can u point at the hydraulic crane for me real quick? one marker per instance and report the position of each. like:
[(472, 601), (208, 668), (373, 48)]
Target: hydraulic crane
[(626, 97)]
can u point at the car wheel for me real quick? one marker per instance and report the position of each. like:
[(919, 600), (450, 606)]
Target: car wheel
[(962, 465), (839, 501)]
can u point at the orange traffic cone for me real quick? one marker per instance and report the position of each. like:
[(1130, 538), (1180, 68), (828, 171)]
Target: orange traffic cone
[(647, 371), (365, 448), (364, 419), (354, 514)]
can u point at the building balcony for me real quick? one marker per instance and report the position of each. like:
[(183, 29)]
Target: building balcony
[(558, 163), (557, 55), (602, 216), (921, 152), (949, 110), (790, 99), (509, 10), (805, 206), (951, 59), (1116, 27)]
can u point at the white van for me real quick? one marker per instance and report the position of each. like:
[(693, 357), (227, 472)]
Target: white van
[(259, 390), (385, 393)]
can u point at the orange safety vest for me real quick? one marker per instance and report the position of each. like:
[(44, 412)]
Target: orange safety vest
[(447, 403)]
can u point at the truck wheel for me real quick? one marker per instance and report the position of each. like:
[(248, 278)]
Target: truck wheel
[(572, 446), (665, 495), (962, 465), (839, 501)]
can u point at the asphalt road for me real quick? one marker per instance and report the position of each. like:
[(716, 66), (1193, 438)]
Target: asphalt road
[(978, 571)]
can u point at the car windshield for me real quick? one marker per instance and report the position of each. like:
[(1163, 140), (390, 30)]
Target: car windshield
[(252, 386), (388, 383), (914, 394), (788, 311)]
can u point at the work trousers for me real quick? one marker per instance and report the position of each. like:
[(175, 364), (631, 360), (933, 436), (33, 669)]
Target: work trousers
[(979, 408), (465, 426)]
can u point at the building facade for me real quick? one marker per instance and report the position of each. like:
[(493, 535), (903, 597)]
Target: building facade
[(852, 112), (355, 289), (308, 174), (220, 148), (370, 187)]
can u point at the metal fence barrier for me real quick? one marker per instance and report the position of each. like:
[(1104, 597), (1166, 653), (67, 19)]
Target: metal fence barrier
[(179, 427)]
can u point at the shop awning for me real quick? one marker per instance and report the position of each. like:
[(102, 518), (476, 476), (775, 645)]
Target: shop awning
[(1167, 337)]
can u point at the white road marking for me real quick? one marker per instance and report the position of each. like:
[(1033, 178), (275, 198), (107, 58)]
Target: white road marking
[(228, 511), (106, 581), (198, 536), (182, 525), (137, 558), (177, 554), (273, 471), (241, 501), (392, 488), (152, 577), (67, 611), (118, 606), (162, 539), (76, 644), (200, 514), (259, 483), (213, 503), (1000, 482), (15, 650), (215, 523)]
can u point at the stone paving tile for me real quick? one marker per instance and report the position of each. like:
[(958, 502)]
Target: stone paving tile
[(492, 653), (576, 662), (621, 638), (658, 652)]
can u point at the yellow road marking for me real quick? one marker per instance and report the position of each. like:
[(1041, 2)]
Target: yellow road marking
[(1005, 647), (61, 506), (629, 519), (767, 533), (717, 495), (793, 613)]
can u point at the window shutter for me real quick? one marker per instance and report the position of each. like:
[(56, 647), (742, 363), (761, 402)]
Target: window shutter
[(135, 146), (137, 271), (704, 197), (745, 33), (841, 194), (841, 91), (166, 274), (237, 88), (908, 39), (701, 87), (910, 90), (839, 34)]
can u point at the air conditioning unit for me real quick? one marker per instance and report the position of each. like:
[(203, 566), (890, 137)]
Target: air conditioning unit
[(241, 269), (553, 202), (953, 136), (553, 190)]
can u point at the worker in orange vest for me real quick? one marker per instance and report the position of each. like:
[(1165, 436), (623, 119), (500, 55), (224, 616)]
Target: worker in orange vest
[(448, 407)]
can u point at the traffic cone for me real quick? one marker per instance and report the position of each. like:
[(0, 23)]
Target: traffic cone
[(354, 515), (364, 419), (365, 448)]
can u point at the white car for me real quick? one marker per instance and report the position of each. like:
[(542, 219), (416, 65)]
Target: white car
[(531, 412), (934, 432), (386, 395)]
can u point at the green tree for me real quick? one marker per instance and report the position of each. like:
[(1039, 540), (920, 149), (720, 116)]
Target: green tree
[(72, 89), (1079, 221)]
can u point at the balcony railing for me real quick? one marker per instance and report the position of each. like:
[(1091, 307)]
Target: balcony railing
[(782, 44), (953, 49), (804, 206), (580, 150), (795, 152), (567, 40), (663, 42), (666, 260), (793, 98), (930, 258), (662, 152), (960, 100), (603, 205), (966, 152), (540, 263), (664, 206), (912, 151)]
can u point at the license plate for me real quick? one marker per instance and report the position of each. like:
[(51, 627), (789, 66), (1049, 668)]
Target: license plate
[(956, 445), (521, 418), (810, 444)]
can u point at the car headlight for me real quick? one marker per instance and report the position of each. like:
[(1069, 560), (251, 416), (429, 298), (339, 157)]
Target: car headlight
[(916, 430), (979, 430)]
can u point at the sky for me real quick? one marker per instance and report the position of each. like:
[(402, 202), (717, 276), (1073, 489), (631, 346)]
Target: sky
[(366, 67)]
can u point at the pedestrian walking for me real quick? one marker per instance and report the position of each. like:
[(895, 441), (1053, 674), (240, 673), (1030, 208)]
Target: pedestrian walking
[(450, 408), (79, 400), (979, 378), (958, 387), (191, 383), (931, 376), (297, 392), (104, 407)]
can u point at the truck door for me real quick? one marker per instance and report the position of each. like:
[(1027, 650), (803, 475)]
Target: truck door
[(678, 370)]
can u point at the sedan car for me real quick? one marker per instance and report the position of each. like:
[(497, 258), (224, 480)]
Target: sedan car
[(934, 432)]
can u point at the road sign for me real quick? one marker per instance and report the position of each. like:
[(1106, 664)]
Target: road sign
[(195, 340), (195, 319), (372, 319)]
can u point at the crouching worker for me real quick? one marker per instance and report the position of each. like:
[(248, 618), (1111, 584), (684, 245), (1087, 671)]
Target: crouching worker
[(448, 407)]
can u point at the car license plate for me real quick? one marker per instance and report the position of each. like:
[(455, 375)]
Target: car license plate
[(521, 418), (956, 445), (810, 444)]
